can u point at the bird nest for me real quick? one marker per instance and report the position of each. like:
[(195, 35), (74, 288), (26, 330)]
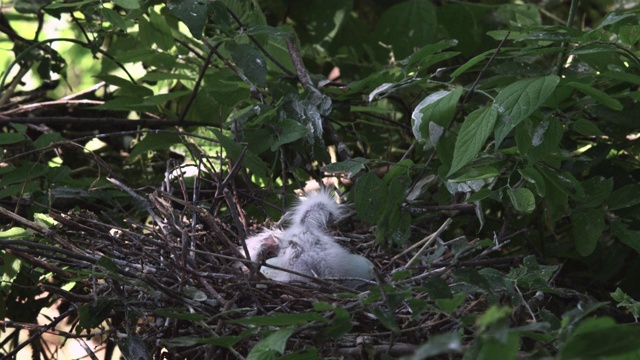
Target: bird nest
[(178, 287)]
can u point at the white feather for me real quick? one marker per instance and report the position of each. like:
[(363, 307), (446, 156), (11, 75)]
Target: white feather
[(307, 247)]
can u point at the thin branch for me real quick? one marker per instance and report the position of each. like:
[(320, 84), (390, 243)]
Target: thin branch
[(259, 46), (194, 93), (486, 66), (565, 45), (39, 333)]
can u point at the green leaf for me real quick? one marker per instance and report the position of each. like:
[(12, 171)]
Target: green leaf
[(437, 345), (233, 149), (370, 196), (128, 4), (192, 13), (522, 200), (519, 100), (276, 342), (587, 128), (563, 181), (624, 197), (598, 95), (250, 61), (534, 177), (631, 238), (288, 132), (407, 25), (386, 319), (11, 138), (152, 142), (91, 315), (607, 341), (471, 62), (59, 5), (434, 114), (14, 233), (474, 133), (348, 168), (597, 190), (114, 18), (340, 325), (504, 347), (586, 227)]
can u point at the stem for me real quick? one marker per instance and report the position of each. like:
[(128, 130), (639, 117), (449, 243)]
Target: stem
[(565, 45)]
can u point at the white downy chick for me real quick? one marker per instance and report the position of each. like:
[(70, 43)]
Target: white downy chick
[(308, 248)]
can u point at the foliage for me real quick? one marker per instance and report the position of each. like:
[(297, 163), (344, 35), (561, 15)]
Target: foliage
[(519, 128)]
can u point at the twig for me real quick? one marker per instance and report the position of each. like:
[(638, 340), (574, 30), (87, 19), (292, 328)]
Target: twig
[(39, 333), (301, 71), (426, 241), (486, 66), (259, 46), (194, 93), (565, 45)]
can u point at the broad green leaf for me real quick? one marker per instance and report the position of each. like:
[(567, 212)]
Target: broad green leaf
[(545, 139), (598, 190), (152, 142), (250, 61), (348, 168), (288, 132), (370, 196), (340, 325), (522, 199), (519, 100), (471, 62), (479, 195), (14, 233), (631, 238), (598, 95), (563, 181), (622, 76), (159, 76), (128, 4), (625, 196), (437, 345), (450, 305), (615, 17), (433, 115), (92, 314), (275, 342), (11, 138), (114, 18), (477, 173), (59, 5), (587, 128), (474, 133), (607, 341), (387, 319), (192, 13), (586, 227), (407, 25), (422, 56), (534, 177), (506, 347)]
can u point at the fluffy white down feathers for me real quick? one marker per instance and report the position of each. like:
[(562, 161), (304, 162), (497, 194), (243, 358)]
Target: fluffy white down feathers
[(307, 247)]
